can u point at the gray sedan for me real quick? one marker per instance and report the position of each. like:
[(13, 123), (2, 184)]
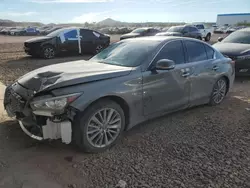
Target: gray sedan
[(92, 102)]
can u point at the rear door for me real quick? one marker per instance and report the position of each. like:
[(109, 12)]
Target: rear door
[(167, 90), (89, 40), (201, 72)]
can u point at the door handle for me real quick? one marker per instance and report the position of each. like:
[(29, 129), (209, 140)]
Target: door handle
[(185, 74), (215, 68)]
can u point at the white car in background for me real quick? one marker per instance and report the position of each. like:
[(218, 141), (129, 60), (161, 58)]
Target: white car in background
[(206, 32)]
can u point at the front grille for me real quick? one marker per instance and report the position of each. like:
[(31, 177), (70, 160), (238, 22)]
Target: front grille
[(13, 102)]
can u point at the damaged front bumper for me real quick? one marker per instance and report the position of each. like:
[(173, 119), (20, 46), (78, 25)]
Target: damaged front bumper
[(37, 125)]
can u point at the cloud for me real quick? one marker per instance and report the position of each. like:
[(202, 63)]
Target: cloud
[(70, 1), (91, 17), (16, 14)]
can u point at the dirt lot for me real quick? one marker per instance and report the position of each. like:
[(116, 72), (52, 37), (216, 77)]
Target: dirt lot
[(200, 147)]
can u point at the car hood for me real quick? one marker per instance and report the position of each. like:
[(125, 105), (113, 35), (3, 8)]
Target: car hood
[(38, 39), (130, 35), (231, 49), (71, 73)]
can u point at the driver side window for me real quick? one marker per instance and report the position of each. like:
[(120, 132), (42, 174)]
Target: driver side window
[(172, 51)]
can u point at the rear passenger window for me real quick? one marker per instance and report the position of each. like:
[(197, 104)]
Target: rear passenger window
[(196, 51), (210, 52), (87, 34), (172, 51)]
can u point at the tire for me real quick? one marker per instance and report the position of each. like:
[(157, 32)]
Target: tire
[(48, 52), (91, 137), (98, 48), (208, 37), (221, 87)]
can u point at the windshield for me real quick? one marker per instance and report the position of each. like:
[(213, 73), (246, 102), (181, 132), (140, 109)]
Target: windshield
[(238, 37), (140, 30), (127, 53), (175, 29)]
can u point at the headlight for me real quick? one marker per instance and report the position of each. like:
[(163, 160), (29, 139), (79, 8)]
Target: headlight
[(55, 103)]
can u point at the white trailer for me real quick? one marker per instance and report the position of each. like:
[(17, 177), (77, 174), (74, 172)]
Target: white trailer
[(232, 19)]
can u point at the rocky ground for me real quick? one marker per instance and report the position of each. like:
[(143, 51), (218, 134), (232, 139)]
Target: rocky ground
[(199, 147)]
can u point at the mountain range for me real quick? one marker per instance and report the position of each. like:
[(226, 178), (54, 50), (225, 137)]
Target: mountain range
[(104, 23)]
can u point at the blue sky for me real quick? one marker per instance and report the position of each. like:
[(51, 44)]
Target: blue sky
[(80, 11)]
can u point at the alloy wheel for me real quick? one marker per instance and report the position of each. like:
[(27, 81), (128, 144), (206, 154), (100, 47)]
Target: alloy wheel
[(49, 52), (99, 48), (104, 127), (219, 91)]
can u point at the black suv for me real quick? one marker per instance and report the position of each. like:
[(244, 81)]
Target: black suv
[(182, 31)]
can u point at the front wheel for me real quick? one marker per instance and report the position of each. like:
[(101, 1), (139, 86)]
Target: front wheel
[(100, 126), (219, 92), (48, 52)]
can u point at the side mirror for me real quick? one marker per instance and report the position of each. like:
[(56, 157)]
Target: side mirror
[(165, 64), (220, 39)]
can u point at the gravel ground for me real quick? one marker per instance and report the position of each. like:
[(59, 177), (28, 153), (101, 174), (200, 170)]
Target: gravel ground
[(200, 147)]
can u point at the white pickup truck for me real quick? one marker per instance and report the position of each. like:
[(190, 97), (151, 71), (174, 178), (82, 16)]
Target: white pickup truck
[(206, 32)]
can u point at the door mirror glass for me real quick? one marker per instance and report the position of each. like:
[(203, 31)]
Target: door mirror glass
[(165, 64), (220, 39)]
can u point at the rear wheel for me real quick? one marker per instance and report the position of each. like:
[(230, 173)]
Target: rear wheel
[(99, 127), (219, 92), (98, 49), (208, 37), (48, 52)]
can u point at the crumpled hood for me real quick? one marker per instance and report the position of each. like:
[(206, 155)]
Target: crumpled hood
[(71, 73), (38, 39), (231, 49), (130, 35)]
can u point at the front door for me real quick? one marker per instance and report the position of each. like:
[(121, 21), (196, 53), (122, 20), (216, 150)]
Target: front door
[(167, 90), (89, 40)]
